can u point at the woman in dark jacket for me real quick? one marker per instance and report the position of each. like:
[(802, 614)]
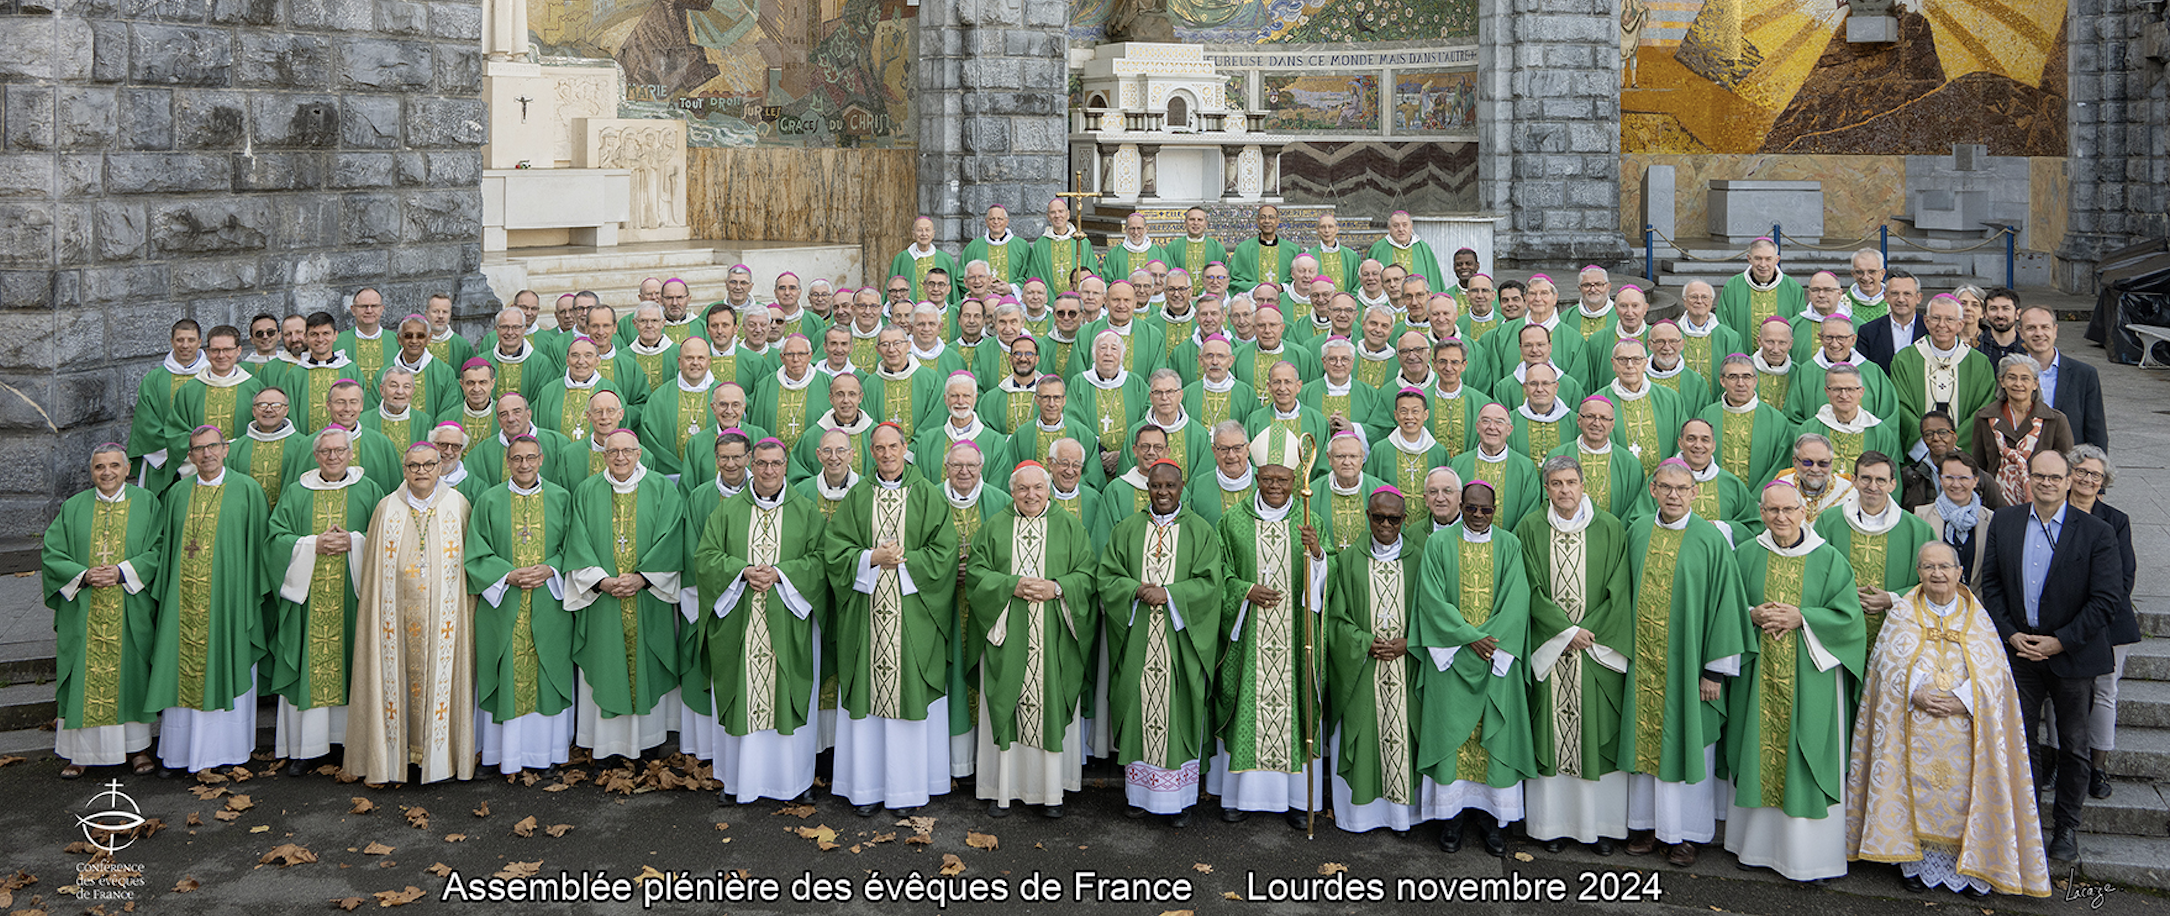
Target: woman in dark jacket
[(2091, 476), (2017, 426)]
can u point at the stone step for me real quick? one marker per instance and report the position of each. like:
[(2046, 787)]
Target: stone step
[(610, 259), (2148, 661), (2142, 752), (705, 281), (2133, 809), (2143, 703), (26, 662), (26, 742), (26, 705), (2139, 861), (2154, 621)]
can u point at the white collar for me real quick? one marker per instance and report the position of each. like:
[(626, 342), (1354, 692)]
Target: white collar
[(1075, 233), (726, 490), (662, 345), (1059, 426), (307, 361), (1182, 420), (911, 365), (832, 494), (1555, 415), (1225, 385), (422, 504), (1863, 298), (1363, 351), (1691, 329), (853, 327), (1138, 249), (527, 349), (1630, 395), (1863, 420), (1929, 349), (1810, 540), (1810, 313), (828, 422), (514, 486), (879, 483), (358, 335), (1750, 407), (1424, 441), (630, 484), (1766, 368), (286, 428), (1386, 553), (1487, 458), (927, 355), (1268, 513), (400, 360), (1162, 521), (202, 362), (1707, 474), (1298, 411), (1584, 514), (590, 383), (1135, 477), (917, 252), (1007, 235), (755, 495), (1522, 369), (1476, 538), (1654, 372), (313, 478), (1584, 447), (231, 379), (1585, 312), (1777, 277), (1234, 484), (707, 381), (971, 430), (1335, 391), (1681, 525), (1057, 495), (1402, 245), (1354, 489), (1092, 377), (784, 379), (390, 417), (1370, 300), (1862, 522), (458, 475), (963, 500)]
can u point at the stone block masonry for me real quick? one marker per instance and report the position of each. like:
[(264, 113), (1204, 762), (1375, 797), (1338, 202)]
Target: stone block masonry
[(992, 124), (213, 159), (1548, 116)]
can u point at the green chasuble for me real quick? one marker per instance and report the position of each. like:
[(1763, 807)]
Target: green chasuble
[(1790, 714), (262, 456), (1647, 425), (1120, 260), (892, 645), (153, 427), (1007, 406), (1195, 255), (102, 637), (199, 403), (1742, 305), (658, 364), (1476, 715), (702, 493), (378, 458), (451, 349), (760, 644), (1693, 389), (1690, 614), (1755, 444), (1702, 348), (1107, 407), (1881, 551), (626, 647), (406, 428), (1719, 497), (1145, 347), (1475, 329), (1031, 654), (1454, 419), (1343, 513), (1513, 477), (1536, 436), (931, 447), (1613, 479), (436, 383), (789, 411), (1865, 308), (523, 370), (1306, 421), (1579, 577), (913, 263), (523, 637), (1207, 494), (1264, 681), (1358, 403), (211, 617), (674, 415), (1372, 704), (1806, 393), (370, 355), (967, 514), (1207, 407), (477, 426), (1161, 659), (1174, 334), (485, 459), (562, 408), (306, 402), (1339, 264), (1252, 364), (1032, 441), (1006, 259), (909, 399), (1255, 262), (312, 636), (1849, 440), (1959, 383), (1054, 259), (1417, 258), (1403, 464), (1773, 383)]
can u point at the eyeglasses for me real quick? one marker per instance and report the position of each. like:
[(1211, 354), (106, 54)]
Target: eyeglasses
[(1938, 567), (274, 332), (1812, 463), (329, 451), (267, 405), (2047, 478), (1378, 517), (2095, 476), (1676, 489), (420, 465), (1939, 433)]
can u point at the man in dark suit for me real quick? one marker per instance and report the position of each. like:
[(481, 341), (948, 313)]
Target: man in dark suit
[(2050, 576), (1888, 334), (2071, 386)]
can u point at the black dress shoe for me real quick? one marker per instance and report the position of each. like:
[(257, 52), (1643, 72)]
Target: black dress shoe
[(1495, 838), (2064, 845), (1295, 819), (905, 812), (1603, 846), (1450, 835), (1133, 812), (1052, 812), (1978, 893), (805, 798), (1555, 845), (997, 809), (1233, 816), (2098, 785), (1180, 820), (1913, 883), (866, 810)]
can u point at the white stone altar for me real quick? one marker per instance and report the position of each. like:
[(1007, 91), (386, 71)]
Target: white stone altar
[(1158, 129), (1743, 211)]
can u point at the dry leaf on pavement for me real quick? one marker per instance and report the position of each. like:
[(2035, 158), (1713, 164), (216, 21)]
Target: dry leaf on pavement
[(518, 870), (399, 898), (10, 759), (1202, 868), (362, 806), (376, 849), (346, 903), (239, 803), (227, 816), (558, 830), (417, 816), (824, 837), (195, 819), (483, 810), (951, 865), (556, 787), (1332, 868), (206, 792), (981, 840), (455, 837), (439, 869), (287, 854), (182, 886), (525, 826), (798, 811)]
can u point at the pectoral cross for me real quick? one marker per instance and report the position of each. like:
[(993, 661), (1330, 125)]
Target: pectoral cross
[(579, 433), (693, 429), (794, 427), (527, 533), (1105, 422), (622, 542), (191, 549)]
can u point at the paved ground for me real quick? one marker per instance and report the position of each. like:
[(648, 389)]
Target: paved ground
[(683, 831)]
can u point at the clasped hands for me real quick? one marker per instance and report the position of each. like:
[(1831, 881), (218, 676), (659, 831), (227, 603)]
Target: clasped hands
[(1939, 703), (1775, 618), (2036, 648), (1033, 588), (334, 542), (625, 586)]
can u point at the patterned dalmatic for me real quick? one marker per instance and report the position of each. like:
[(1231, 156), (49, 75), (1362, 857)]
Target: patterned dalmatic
[(1569, 553), (1273, 670), (886, 666), (1156, 682), (764, 547), (1390, 681)]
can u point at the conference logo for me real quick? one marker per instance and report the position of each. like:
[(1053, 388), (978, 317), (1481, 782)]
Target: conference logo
[(112, 819)]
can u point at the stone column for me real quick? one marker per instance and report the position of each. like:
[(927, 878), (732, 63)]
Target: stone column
[(2119, 155), (1548, 130), (993, 122)]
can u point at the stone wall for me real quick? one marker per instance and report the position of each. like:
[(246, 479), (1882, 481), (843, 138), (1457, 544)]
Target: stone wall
[(1548, 130), (2119, 164), (993, 125), (213, 159)]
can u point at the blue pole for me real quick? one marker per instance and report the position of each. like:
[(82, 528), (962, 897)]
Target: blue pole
[(2010, 237), (1777, 239), (1883, 244), (1650, 253)]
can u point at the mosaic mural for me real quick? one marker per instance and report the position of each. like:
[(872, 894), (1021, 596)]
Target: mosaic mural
[(1261, 21), (1779, 76), (1435, 102), (1313, 101), (815, 73)]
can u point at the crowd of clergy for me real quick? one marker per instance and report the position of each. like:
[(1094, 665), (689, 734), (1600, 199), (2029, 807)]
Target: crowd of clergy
[(1308, 531)]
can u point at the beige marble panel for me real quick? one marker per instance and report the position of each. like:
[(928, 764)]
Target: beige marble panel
[(1859, 192), (2049, 187)]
